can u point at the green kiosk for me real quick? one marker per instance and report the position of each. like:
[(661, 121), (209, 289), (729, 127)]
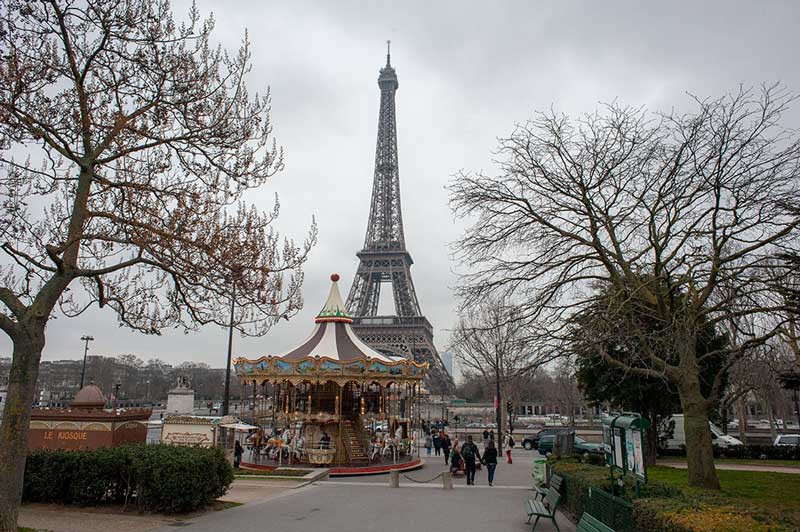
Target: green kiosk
[(624, 446)]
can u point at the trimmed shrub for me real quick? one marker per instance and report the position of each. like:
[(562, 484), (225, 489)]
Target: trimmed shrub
[(157, 478), (660, 507)]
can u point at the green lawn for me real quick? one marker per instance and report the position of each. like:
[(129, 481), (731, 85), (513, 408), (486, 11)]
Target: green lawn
[(745, 461), (775, 496)]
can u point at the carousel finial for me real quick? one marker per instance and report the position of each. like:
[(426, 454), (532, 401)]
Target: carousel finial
[(334, 309)]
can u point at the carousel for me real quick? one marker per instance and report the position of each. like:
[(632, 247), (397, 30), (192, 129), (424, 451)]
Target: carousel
[(333, 401)]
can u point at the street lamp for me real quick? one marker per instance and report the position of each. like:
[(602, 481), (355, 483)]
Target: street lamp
[(226, 397), (86, 338), (117, 386)]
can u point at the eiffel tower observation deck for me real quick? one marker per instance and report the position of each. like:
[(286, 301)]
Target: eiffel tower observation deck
[(385, 259)]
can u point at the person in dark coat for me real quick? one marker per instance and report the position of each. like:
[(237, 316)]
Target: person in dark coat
[(238, 450), (470, 455), (446, 446), (455, 458), (437, 443), (490, 459)]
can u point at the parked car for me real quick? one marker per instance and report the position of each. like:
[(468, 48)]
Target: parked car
[(532, 441), (580, 445), (787, 440)]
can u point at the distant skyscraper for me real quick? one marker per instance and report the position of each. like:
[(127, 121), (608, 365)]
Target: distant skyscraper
[(447, 360)]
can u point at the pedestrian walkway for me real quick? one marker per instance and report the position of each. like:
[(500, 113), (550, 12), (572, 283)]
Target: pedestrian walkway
[(362, 504)]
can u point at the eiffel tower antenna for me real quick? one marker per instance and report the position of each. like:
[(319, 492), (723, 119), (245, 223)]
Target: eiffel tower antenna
[(384, 258)]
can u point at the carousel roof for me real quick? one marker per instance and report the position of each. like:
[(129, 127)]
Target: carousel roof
[(333, 351), (333, 336)]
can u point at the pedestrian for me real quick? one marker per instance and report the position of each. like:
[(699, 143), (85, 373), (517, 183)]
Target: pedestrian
[(470, 454), (509, 443), (237, 454), (455, 457), (490, 459), (437, 443), (485, 436), (491, 434), (428, 443), (446, 446)]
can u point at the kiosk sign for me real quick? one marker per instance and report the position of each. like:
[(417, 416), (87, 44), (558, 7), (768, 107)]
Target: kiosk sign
[(623, 443)]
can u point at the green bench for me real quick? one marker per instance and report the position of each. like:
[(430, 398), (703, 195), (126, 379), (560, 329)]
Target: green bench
[(546, 509), (555, 483), (591, 524)]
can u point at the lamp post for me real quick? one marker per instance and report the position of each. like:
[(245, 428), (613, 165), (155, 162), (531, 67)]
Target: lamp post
[(226, 397), (117, 386), (86, 338)]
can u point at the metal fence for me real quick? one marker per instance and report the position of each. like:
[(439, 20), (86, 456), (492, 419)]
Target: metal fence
[(614, 512)]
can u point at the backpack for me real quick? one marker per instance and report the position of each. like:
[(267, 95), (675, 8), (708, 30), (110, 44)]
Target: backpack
[(511, 442), (467, 454)]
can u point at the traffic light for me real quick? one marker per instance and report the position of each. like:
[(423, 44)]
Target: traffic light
[(509, 406)]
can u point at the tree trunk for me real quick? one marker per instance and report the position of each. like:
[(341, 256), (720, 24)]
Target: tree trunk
[(770, 417), (741, 413), (699, 450), (16, 422)]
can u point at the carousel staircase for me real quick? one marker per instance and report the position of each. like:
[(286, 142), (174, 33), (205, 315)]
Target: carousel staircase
[(352, 443)]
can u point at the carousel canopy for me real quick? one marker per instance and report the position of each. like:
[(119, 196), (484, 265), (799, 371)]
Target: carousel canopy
[(333, 347), (333, 337)]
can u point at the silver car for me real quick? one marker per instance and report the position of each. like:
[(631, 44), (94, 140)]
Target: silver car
[(787, 440)]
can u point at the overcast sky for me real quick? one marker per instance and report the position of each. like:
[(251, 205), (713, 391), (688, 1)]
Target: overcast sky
[(467, 73)]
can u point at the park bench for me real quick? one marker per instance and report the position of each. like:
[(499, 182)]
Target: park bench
[(591, 524), (545, 509), (555, 483)]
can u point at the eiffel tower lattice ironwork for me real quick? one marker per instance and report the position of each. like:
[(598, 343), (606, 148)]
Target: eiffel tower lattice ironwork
[(385, 259)]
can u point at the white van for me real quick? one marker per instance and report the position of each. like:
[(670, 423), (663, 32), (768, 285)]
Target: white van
[(678, 438)]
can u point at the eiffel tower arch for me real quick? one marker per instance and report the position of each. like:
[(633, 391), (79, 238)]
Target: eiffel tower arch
[(385, 260)]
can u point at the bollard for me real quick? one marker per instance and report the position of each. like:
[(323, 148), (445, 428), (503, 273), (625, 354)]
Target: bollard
[(394, 478), (447, 480)]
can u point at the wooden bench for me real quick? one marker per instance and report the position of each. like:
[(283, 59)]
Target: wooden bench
[(591, 524), (546, 509), (555, 483)]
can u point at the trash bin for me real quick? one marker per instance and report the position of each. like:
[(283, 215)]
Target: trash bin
[(539, 470)]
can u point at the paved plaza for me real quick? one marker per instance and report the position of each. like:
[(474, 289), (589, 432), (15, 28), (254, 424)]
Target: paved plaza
[(362, 504)]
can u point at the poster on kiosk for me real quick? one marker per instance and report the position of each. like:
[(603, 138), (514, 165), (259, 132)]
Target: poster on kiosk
[(623, 443)]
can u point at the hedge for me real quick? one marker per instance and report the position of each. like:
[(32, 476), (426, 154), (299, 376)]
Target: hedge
[(156, 478), (581, 489), (660, 507)]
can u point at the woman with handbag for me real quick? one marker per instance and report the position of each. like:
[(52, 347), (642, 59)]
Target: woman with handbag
[(490, 459)]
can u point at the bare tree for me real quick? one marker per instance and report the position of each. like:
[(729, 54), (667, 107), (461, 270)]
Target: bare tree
[(127, 144), (491, 341), (682, 215)]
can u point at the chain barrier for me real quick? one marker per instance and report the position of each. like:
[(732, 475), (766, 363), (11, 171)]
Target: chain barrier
[(422, 481)]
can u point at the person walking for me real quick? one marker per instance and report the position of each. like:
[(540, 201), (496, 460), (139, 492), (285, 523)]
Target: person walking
[(485, 436), (428, 443), (446, 447), (509, 444), (238, 450), (470, 454), (490, 459), (491, 434), (437, 443)]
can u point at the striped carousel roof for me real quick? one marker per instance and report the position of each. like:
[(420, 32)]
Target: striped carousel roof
[(333, 336)]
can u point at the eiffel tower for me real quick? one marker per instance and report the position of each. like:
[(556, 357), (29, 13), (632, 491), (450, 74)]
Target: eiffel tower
[(385, 259)]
